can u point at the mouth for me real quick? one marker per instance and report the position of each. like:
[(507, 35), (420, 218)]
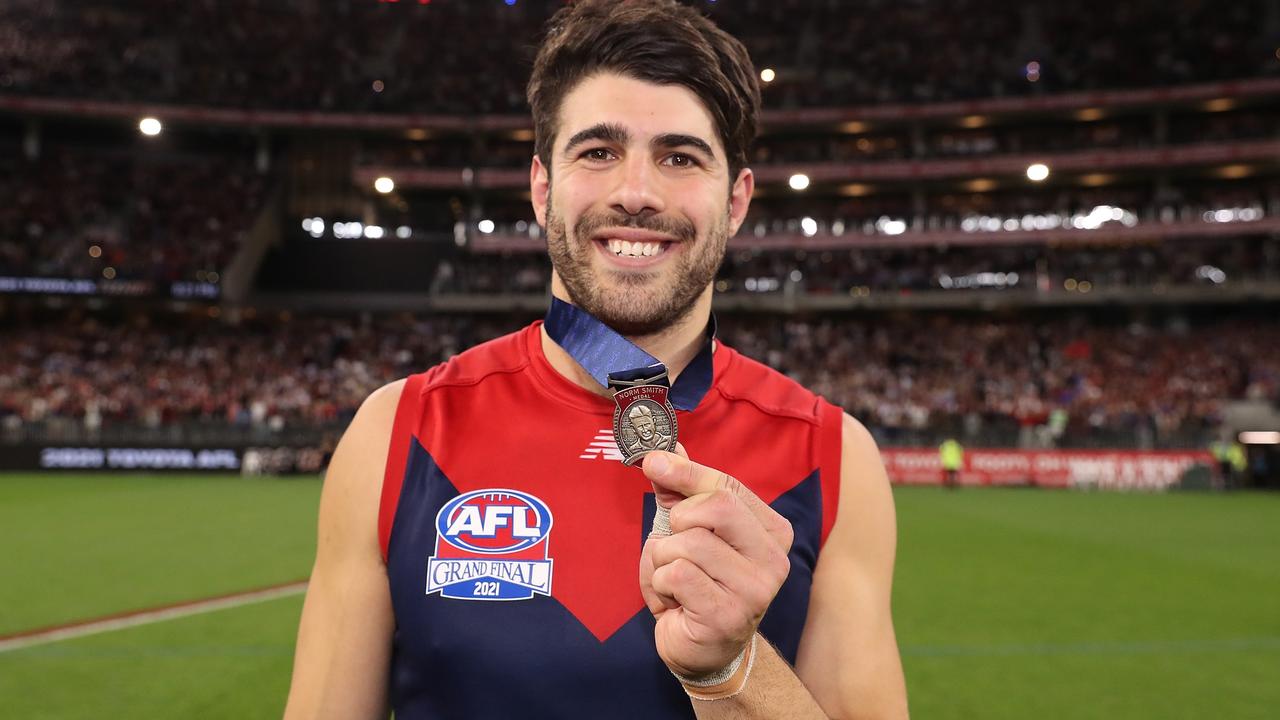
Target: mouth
[(633, 247), (629, 249)]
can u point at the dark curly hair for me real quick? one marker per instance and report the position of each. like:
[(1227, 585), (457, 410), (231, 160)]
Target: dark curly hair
[(658, 41)]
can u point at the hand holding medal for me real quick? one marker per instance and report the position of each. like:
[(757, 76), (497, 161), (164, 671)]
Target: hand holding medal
[(709, 582)]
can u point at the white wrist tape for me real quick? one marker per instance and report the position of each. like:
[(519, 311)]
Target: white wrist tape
[(661, 522), (725, 683)]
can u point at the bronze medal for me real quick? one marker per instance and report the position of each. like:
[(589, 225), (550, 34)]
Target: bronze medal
[(643, 418)]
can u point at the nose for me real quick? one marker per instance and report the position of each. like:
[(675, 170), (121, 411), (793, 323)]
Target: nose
[(635, 190)]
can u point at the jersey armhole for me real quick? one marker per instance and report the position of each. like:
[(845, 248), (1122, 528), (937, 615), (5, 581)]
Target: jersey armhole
[(830, 445), (403, 429)]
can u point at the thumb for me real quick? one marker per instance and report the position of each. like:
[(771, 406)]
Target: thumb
[(656, 464)]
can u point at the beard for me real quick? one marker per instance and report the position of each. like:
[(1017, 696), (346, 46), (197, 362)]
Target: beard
[(635, 303)]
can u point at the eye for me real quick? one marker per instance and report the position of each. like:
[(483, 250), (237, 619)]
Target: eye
[(682, 160), (596, 154)]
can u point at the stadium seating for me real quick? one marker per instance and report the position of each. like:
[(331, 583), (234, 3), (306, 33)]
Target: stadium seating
[(92, 213), (312, 55), (941, 209), (268, 376)]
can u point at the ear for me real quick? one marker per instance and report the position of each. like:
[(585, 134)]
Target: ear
[(539, 186), (740, 199)]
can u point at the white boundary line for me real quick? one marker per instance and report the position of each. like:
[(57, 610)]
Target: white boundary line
[(147, 617)]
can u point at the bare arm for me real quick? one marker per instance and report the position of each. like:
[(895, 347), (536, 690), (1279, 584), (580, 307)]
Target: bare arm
[(848, 654), (344, 640)]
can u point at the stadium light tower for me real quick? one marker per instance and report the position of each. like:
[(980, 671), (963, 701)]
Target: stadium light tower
[(149, 126)]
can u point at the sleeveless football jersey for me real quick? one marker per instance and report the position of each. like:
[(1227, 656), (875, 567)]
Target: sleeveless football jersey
[(512, 533)]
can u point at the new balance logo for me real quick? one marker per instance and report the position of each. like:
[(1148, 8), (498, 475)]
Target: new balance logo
[(602, 447)]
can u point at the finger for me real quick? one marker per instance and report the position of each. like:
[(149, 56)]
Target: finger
[(656, 602), (694, 590), (678, 474), (728, 517), (673, 475), (752, 582)]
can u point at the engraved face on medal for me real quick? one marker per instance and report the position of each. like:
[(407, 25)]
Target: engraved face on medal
[(643, 421)]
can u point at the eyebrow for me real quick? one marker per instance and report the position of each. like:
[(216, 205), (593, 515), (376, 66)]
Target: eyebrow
[(617, 134), (609, 132), (675, 140)]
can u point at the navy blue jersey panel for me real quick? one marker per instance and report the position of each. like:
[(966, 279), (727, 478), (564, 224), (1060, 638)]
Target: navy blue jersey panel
[(424, 492), (784, 622), (537, 664)]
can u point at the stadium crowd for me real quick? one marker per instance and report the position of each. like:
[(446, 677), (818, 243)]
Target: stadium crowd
[(466, 57), (119, 216), (1058, 381), (1029, 268), (124, 215), (1063, 381), (777, 214), (264, 372), (90, 213), (948, 208), (815, 146)]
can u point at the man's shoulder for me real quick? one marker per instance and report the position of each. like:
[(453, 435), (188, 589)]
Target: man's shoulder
[(748, 380)]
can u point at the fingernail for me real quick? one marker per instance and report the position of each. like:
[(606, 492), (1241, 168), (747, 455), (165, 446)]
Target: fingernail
[(658, 463)]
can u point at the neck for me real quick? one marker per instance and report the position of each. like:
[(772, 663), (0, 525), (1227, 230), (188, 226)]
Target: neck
[(674, 346)]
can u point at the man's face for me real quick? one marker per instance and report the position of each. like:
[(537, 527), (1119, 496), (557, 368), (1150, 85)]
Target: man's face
[(643, 425), (637, 202)]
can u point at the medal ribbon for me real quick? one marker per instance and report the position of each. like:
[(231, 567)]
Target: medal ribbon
[(612, 359)]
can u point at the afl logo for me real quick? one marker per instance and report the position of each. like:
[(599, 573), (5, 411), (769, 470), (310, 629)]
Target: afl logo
[(491, 544), (494, 521)]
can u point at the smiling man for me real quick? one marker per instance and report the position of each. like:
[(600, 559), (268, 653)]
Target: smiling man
[(475, 561)]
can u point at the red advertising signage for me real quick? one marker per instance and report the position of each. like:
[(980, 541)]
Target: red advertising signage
[(1108, 470)]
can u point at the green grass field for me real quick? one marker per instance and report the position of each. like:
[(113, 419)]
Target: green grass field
[(1009, 603)]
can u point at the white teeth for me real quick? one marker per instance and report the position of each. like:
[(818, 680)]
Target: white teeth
[(634, 249)]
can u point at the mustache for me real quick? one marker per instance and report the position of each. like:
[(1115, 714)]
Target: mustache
[(591, 223)]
